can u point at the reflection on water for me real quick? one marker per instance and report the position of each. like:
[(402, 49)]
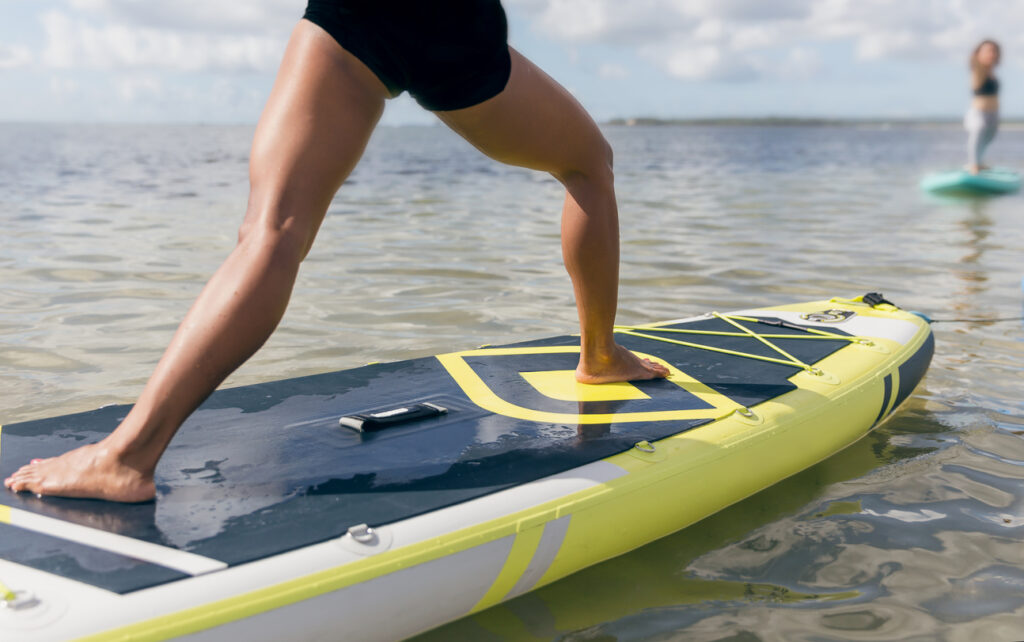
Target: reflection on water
[(977, 227), (110, 231)]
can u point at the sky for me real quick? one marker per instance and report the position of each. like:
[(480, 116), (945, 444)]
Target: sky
[(213, 61)]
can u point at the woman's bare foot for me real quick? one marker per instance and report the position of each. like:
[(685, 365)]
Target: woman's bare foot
[(972, 169), (618, 365), (89, 471)]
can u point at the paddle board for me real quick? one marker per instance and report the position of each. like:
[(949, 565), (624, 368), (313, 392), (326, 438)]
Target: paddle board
[(988, 181), (379, 502)]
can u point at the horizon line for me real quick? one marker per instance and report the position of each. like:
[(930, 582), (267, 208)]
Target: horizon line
[(628, 121)]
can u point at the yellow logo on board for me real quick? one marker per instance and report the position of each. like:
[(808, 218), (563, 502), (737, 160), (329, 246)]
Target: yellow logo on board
[(511, 383)]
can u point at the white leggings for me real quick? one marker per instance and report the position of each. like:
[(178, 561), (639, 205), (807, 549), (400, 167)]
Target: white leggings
[(981, 128)]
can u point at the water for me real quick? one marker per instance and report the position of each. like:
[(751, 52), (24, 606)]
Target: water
[(915, 532)]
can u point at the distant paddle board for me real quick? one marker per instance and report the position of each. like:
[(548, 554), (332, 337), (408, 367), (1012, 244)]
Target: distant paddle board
[(382, 501), (988, 181)]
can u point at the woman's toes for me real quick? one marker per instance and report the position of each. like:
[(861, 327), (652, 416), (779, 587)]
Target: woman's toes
[(20, 480)]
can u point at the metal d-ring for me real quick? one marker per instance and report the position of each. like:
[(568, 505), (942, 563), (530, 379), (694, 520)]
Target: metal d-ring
[(362, 533), (746, 413), (18, 600), (644, 446)]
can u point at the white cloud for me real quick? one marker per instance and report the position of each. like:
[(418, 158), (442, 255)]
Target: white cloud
[(63, 87), (747, 10), (879, 46), (613, 71), (800, 62), (747, 39), (700, 62), (132, 88), (12, 56), (206, 16), (601, 21), (74, 43), (753, 37)]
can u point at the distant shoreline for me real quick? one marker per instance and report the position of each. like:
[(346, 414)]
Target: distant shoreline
[(1012, 123), (784, 121)]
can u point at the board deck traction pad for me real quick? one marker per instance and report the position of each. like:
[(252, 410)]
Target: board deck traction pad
[(263, 469)]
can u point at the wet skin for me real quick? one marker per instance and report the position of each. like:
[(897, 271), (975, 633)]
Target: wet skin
[(313, 130)]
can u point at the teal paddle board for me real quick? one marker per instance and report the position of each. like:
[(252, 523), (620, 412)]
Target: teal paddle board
[(997, 180)]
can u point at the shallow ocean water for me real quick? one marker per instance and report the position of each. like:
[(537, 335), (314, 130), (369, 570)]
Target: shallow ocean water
[(915, 532)]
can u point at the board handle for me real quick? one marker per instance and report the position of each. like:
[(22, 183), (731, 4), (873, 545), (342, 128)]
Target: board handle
[(370, 421)]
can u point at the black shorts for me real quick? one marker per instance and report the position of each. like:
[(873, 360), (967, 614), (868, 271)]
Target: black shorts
[(448, 54)]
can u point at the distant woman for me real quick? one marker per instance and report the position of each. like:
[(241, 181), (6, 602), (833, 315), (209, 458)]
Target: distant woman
[(982, 119)]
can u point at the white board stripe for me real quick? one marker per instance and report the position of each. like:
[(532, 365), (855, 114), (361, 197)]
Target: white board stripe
[(550, 543), (188, 563)]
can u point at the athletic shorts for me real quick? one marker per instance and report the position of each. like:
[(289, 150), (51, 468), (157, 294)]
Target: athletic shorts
[(448, 54)]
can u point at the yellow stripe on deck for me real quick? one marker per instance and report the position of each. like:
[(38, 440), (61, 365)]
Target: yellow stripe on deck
[(484, 396), (562, 385)]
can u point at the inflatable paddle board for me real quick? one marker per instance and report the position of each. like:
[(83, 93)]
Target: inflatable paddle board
[(987, 181), (379, 502)]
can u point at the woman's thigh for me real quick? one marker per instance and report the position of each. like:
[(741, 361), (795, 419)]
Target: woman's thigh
[(534, 122), (313, 130)]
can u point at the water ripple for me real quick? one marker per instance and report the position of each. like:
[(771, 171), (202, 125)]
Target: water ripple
[(915, 532)]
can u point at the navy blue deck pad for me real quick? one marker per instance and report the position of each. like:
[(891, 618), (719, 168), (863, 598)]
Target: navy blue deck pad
[(263, 469)]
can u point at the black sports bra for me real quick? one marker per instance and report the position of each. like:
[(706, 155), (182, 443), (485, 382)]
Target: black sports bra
[(988, 88)]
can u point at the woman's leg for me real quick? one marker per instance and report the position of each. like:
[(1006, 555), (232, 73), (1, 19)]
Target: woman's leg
[(988, 134), (313, 130), (974, 123), (536, 123)]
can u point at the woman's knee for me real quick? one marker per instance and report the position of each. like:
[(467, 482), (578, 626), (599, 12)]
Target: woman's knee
[(593, 167), (270, 230)]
